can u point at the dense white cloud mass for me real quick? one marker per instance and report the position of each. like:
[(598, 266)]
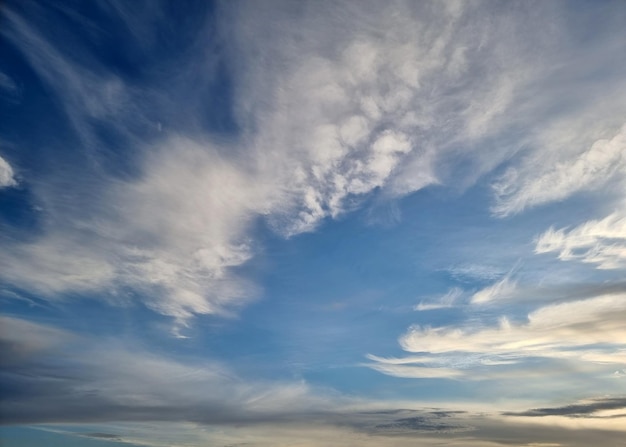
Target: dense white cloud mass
[(7, 177)]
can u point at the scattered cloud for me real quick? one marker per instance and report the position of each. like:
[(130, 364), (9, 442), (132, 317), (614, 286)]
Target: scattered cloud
[(443, 302), (500, 290), (599, 242)]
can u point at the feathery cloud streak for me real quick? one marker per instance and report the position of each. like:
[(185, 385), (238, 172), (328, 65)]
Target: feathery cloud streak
[(600, 242), (579, 332)]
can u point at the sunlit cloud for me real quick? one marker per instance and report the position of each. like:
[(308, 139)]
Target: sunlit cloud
[(584, 331)]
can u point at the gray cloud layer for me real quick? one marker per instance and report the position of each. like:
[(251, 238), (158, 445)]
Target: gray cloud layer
[(577, 410), (57, 377)]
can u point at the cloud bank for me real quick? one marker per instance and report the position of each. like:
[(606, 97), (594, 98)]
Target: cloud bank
[(127, 394)]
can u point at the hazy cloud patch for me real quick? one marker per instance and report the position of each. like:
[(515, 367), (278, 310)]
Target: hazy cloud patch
[(7, 176)]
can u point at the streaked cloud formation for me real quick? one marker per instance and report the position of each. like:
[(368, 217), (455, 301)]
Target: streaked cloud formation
[(445, 301), (588, 330), (600, 242), (601, 163), (311, 223)]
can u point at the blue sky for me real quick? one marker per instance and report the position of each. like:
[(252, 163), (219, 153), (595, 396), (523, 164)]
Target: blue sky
[(289, 223)]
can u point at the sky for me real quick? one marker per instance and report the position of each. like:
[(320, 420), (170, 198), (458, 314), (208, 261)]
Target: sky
[(312, 223)]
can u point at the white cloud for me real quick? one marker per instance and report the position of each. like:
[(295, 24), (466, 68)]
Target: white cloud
[(500, 290), (600, 242), (543, 181), (588, 331), (412, 368), (443, 302), (173, 235), (356, 112), (57, 264), (7, 177), (578, 323)]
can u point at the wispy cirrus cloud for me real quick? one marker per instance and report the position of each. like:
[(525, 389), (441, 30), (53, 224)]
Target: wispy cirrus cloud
[(540, 182), (599, 242), (443, 302), (501, 289)]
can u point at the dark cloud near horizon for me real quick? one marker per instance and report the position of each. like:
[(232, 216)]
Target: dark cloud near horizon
[(41, 387), (430, 423), (575, 410)]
